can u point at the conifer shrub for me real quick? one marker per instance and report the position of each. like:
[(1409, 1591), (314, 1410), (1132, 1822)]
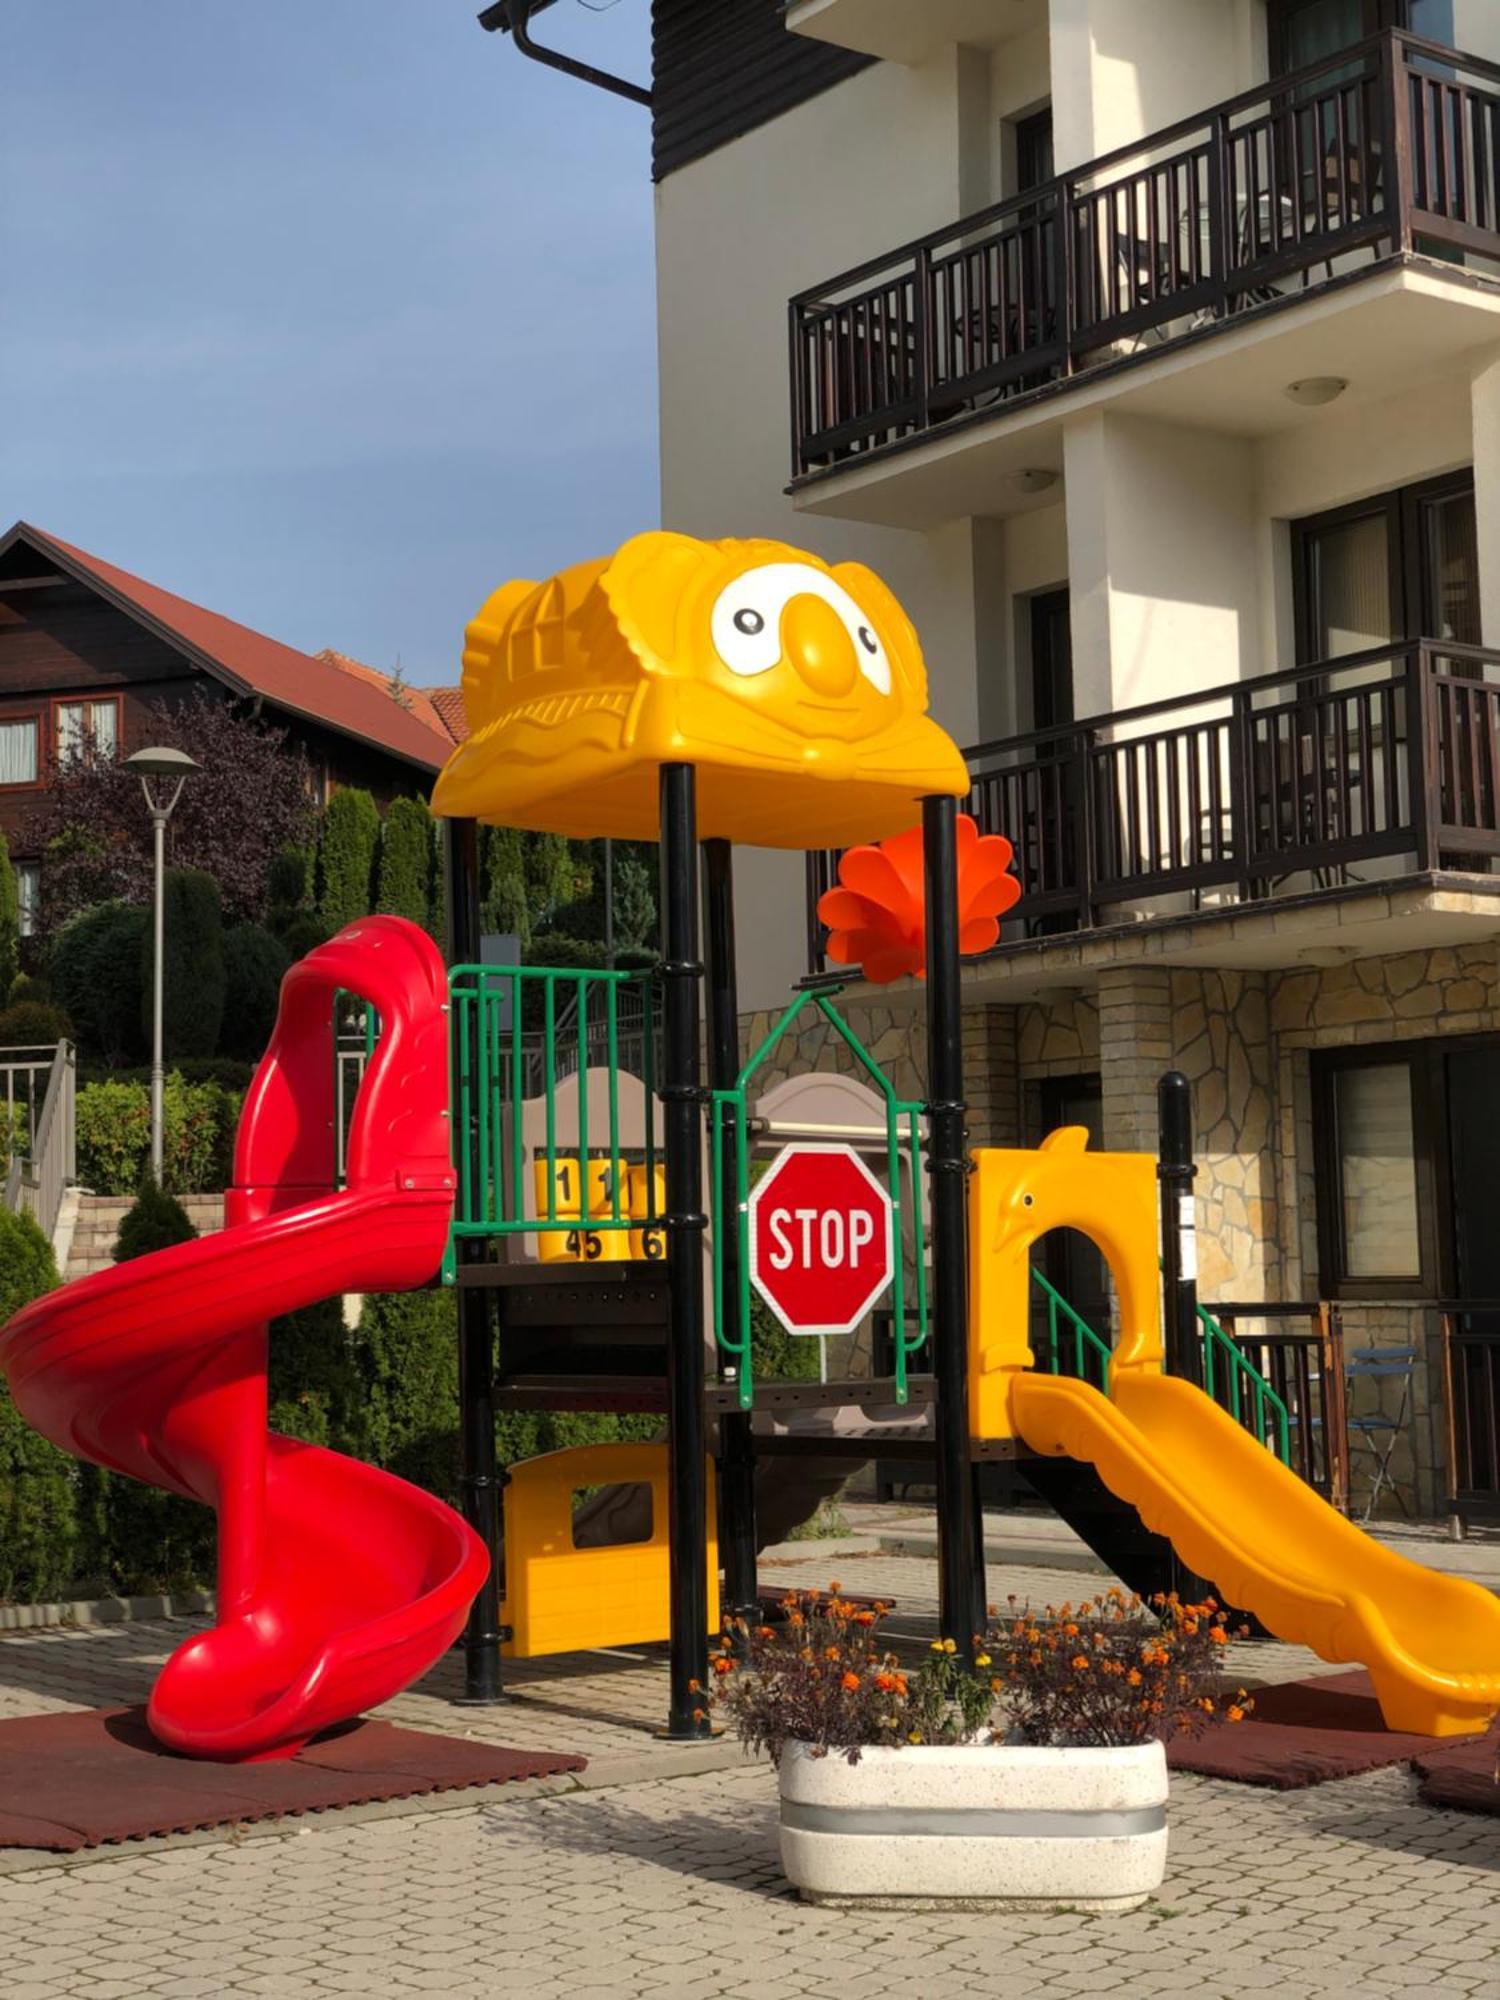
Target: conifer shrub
[(346, 858), (95, 969), (255, 963), (193, 965), (38, 1498), (155, 1222), (406, 862)]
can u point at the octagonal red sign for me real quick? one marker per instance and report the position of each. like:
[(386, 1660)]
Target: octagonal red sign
[(820, 1238)]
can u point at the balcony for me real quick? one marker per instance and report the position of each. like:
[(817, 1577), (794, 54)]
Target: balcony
[(1306, 783), (1383, 156)]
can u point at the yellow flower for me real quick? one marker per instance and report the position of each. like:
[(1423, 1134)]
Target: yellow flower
[(981, 1659), (950, 1645), (915, 1737)]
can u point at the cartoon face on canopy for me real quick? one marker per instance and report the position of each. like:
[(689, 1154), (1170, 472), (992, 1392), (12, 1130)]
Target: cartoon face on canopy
[(796, 688)]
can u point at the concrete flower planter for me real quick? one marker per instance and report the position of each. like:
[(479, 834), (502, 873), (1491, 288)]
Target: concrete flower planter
[(993, 1825)]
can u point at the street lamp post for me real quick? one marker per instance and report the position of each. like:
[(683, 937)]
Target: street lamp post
[(173, 767)]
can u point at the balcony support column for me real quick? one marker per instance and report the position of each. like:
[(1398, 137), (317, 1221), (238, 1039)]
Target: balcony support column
[(1484, 395)]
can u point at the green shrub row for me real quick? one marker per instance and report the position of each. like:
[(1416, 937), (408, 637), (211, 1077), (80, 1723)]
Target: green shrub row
[(198, 1128)]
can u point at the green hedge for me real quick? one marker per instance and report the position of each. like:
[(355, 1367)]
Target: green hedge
[(114, 1135), (95, 969), (38, 1484)]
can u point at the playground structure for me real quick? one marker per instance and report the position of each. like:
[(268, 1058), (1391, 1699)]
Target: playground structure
[(591, 1200)]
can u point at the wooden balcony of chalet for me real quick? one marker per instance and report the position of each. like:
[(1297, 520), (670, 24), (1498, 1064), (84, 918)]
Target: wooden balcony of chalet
[(1304, 783), (1386, 154)]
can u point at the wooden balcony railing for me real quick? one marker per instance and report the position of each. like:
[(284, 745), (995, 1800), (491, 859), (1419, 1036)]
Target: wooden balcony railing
[(1471, 1359), (1283, 784), (1389, 147)]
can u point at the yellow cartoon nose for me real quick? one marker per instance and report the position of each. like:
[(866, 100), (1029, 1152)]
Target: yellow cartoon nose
[(815, 640)]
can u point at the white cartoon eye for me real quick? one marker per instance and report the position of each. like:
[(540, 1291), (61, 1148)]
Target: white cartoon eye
[(746, 622)]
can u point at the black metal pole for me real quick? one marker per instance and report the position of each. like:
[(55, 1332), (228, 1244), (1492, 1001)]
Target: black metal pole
[(736, 1437), (478, 1476), (960, 1544), (1175, 1171), (685, 1222)]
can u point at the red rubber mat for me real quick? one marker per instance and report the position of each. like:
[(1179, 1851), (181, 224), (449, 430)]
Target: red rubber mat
[(1300, 1733), (1462, 1774), (85, 1779)]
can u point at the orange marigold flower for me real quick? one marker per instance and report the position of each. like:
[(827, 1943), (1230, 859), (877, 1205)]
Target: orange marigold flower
[(864, 1617), (723, 1666), (1079, 1663), (830, 1652), (1035, 1659), (1070, 1631), (901, 1684), (695, 1687), (835, 1588), (849, 1683), (1134, 1677), (886, 1683), (1219, 1636), (1235, 1712)]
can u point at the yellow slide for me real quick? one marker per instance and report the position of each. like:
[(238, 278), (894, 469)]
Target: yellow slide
[(1267, 1542)]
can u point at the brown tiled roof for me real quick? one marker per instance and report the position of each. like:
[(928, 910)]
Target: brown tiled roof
[(443, 707), (342, 696)]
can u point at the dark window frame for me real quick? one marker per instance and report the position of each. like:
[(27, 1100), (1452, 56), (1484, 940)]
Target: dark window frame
[(1378, 15), (1402, 508), (1431, 1157)]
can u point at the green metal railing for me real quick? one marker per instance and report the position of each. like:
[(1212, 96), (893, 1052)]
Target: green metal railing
[(1090, 1353), (1270, 1420), (514, 1027), (729, 1126), (1229, 1375)]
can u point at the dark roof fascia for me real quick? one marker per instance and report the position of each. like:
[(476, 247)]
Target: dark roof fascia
[(215, 669)]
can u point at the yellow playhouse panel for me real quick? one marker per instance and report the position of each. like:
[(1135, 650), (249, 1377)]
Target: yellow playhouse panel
[(562, 1599)]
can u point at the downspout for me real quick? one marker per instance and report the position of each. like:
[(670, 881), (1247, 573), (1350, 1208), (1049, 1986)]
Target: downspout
[(513, 17)]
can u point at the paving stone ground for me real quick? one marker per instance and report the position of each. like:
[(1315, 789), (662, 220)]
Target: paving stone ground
[(657, 1885)]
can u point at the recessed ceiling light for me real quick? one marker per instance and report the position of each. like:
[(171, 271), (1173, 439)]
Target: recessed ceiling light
[(1314, 390), (1036, 478)]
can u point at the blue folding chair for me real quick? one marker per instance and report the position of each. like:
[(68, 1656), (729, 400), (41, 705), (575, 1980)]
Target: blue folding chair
[(1380, 1434)]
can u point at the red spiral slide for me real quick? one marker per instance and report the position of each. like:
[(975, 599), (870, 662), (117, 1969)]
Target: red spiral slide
[(338, 1584)]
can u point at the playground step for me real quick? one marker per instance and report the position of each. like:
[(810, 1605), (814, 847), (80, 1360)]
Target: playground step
[(98, 1224)]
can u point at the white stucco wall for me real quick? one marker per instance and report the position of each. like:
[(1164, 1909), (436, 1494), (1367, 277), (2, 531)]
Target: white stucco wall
[(1125, 68), (1161, 546), (845, 177)]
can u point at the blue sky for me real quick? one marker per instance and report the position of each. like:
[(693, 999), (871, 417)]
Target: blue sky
[(329, 314)]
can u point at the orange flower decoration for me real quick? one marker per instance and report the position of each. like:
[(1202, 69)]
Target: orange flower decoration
[(850, 1683), (877, 916)]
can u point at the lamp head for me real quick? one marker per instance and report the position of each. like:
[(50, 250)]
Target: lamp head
[(162, 763)]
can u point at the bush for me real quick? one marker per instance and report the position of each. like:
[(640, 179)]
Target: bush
[(346, 859), (315, 1389), (38, 1509), (406, 862), (13, 1131), (254, 966), (29, 986), (96, 978), (407, 1354), (156, 1222), (192, 963), (113, 1123), (289, 884), (33, 1024), (10, 919)]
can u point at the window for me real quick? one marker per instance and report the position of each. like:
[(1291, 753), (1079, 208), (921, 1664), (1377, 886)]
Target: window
[(28, 895), (1034, 162), (87, 728), (1379, 1118), (19, 750), (1404, 565), (1375, 1153), (1306, 31)]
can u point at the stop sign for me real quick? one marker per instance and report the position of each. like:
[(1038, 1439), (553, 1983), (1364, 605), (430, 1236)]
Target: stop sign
[(820, 1238)]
